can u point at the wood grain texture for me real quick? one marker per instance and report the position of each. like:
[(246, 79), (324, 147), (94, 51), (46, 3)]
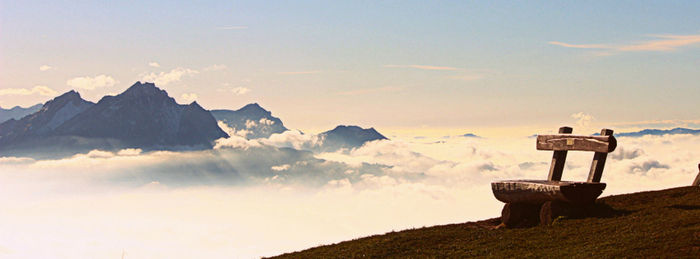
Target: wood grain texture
[(558, 159), (562, 142), (538, 191), (598, 163)]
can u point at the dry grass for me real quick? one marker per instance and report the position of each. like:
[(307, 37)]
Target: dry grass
[(648, 224)]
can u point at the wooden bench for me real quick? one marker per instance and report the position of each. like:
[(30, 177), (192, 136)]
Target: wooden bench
[(530, 200)]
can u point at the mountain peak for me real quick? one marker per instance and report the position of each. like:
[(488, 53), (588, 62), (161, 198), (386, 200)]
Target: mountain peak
[(252, 106), (141, 89), (348, 136), (68, 97), (195, 105)]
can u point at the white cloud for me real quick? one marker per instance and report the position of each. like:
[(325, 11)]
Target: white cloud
[(659, 43), (39, 89), (278, 168), (165, 78), (45, 68), (582, 120), (189, 97), (91, 83), (153, 64), (240, 90), (266, 122), (294, 139), (422, 67)]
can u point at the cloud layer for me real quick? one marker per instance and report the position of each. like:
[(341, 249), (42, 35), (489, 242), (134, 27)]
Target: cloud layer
[(264, 197), (91, 83), (165, 78), (39, 89)]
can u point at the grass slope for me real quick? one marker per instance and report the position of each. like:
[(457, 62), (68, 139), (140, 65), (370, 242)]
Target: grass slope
[(648, 224)]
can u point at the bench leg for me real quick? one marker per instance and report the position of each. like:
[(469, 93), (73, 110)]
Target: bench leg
[(551, 210), (519, 214)]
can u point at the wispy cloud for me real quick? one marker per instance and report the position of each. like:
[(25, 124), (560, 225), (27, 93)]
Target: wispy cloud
[(240, 90), (39, 89), (164, 78), (370, 91), (91, 83), (45, 68), (300, 72), (582, 119), (659, 43), (189, 97), (579, 46), (232, 27), (422, 67), (153, 64)]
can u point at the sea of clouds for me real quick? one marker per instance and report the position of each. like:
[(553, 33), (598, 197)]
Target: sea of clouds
[(251, 198)]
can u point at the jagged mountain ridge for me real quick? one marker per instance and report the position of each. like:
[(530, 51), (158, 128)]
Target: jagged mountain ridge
[(41, 123), (145, 116), (252, 121), (18, 112)]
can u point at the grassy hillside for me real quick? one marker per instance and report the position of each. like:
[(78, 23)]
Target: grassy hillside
[(648, 224)]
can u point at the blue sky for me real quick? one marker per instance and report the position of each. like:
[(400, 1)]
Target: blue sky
[(316, 64)]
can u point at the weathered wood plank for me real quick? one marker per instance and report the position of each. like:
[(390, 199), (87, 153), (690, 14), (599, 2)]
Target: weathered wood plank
[(538, 191), (598, 163), (560, 142), (558, 159)]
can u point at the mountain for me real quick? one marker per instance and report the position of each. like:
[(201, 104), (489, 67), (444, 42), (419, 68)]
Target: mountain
[(658, 132), (43, 122), (655, 224), (17, 112), (252, 121), (347, 137), (144, 116)]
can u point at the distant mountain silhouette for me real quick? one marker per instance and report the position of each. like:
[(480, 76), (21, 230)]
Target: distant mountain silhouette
[(143, 116), (43, 122), (17, 112), (255, 120), (658, 132), (347, 137), (470, 135)]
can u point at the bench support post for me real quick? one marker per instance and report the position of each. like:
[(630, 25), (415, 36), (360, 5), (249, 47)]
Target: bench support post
[(598, 161), (558, 159)]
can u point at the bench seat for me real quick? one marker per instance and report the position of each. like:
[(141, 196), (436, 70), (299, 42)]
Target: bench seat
[(541, 191)]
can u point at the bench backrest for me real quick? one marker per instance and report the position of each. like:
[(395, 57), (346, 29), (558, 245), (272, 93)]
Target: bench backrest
[(563, 142)]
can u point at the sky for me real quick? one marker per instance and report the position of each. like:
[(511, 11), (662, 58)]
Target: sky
[(390, 64)]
